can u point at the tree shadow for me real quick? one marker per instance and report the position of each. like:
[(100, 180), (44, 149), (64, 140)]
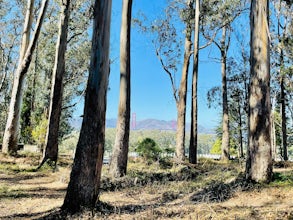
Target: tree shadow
[(39, 192), (106, 210), (35, 215), (217, 192), (18, 178), (145, 178)]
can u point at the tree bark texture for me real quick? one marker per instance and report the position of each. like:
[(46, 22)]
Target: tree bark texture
[(119, 157), (259, 160), (194, 108), (225, 111), (27, 29), (51, 144), (83, 187), (10, 138), (181, 103)]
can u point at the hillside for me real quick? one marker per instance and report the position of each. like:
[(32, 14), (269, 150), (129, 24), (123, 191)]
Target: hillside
[(147, 124)]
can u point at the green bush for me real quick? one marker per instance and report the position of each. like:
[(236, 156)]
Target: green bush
[(39, 132), (216, 148), (148, 149)]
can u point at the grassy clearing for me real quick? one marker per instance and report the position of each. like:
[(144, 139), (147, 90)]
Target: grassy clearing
[(209, 190)]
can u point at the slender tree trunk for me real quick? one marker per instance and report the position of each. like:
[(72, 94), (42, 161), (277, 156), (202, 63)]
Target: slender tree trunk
[(194, 108), (119, 158), (273, 135), (51, 144), (10, 138), (241, 154), (284, 119), (84, 184), (282, 86), (181, 103), (225, 136), (259, 160)]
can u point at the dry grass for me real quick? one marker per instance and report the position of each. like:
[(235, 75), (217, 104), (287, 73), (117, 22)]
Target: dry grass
[(210, 190)]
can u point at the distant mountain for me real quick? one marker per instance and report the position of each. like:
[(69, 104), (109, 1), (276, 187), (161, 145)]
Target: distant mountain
[(147, 124)]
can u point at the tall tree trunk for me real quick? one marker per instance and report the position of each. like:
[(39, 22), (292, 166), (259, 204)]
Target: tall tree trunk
[(83, 187), (181, 103), (259, 160), (119, 158), (225, 136), (10, 138), (284, 119), (23, 47), (273, 131), (241, 154), (194, 108), (282, 86), (51, 144)]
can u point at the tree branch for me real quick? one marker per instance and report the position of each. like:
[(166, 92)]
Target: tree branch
[(73, 36), (169, 74), (74, 104)]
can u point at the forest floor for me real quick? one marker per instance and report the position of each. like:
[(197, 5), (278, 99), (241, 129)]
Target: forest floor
[(209, 190)]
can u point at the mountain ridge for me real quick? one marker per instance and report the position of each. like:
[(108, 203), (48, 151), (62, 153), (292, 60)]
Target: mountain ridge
[(146, 124)]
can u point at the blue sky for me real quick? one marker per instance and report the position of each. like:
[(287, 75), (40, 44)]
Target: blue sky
[(151, 94)]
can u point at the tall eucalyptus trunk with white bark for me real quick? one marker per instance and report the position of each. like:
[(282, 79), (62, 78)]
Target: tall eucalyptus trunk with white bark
[(83, 188), (118, 165), (182, 92), (259, 156), (225, 111), (10, 138)]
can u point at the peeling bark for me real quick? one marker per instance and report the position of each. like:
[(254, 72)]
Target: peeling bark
[(259, 160)]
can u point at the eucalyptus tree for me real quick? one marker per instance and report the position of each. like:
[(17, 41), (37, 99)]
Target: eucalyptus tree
[(51, 144), (12, 126), (9, 33), (168, 44), (194, 107), (214, 20), (84, 184), (187, 15), (238, 83), (118, 165), (259, 158), (36, 100), (283, 11)]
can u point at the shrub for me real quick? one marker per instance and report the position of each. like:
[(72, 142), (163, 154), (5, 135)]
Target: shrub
[(148, 149), (39, 132)]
